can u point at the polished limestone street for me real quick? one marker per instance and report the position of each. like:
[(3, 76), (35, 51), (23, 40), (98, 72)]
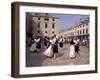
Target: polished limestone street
[(34, 59)]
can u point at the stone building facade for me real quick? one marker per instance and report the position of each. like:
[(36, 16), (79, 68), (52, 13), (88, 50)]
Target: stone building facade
[(44, 24), (79, 29)]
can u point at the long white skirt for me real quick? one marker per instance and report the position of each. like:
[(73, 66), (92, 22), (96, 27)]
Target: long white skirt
[(33, 47), (72, 51), (48, 52)]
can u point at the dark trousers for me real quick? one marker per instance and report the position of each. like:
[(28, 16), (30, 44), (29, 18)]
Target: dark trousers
[(55, 48), (77, 48), (61, 44)]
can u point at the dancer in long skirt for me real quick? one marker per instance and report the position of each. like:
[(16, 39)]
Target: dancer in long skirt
[(52, 49), (72, 50), (48, 52)]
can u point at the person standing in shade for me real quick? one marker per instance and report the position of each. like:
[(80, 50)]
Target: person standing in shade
[(48, 52)]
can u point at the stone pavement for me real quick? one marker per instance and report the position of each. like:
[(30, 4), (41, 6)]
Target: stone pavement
[(62, 58)]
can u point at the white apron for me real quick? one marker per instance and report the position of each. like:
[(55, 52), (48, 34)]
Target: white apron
[(48, 52), (72, 51)]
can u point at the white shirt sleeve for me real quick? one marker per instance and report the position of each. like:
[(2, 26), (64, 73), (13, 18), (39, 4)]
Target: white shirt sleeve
[(37, 40), (53, 41)]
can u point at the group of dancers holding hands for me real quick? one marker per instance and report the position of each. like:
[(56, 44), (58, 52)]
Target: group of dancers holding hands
[(51, 45)]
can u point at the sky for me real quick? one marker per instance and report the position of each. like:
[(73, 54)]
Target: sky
[(66, 20)]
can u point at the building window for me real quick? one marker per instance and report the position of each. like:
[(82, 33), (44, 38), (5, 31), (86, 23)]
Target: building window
[(53, 32), (46, 32), (74, 28), (38, 25), (83, 25), (86, 31), (38, 31), (53, 25), (53, 19), (72, 33), (80, 32), (46, 19), (38, 18), (87, 24), (46, 25), (83, 31), (47, 14)]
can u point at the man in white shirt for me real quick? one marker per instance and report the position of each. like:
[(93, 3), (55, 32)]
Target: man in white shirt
[(77, 45)]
